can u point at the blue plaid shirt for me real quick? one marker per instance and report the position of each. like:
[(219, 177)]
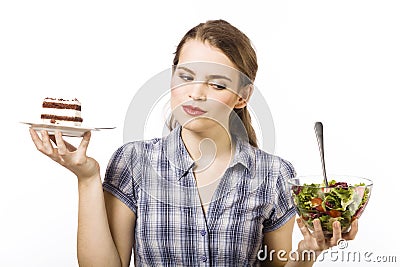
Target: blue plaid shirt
[(155, 180)]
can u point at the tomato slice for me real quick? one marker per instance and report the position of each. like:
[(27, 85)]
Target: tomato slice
[(316, 201), (320, 208), (334, 213)]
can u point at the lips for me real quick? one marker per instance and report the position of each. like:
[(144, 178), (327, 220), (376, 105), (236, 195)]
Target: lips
[(193, 111)]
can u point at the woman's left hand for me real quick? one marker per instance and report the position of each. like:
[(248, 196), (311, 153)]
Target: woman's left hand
[(316, 241)]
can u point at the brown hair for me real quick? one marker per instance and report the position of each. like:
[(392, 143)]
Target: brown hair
[(237, 47)]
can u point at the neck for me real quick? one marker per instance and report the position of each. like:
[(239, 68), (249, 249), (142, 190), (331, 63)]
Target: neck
[(209, 144)]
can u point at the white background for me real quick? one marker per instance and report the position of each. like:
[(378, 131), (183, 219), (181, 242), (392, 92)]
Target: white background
[(333, 61)]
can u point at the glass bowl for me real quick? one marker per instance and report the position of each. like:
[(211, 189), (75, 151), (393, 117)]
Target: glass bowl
[(344, 199)]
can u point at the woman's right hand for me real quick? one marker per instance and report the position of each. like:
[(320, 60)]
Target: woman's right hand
[(72, 158)]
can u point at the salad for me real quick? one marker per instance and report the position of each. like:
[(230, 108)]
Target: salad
[(337, 202)]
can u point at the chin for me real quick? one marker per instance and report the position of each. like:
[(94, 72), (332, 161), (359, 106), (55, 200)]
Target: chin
[(197, 124), (200, 125)]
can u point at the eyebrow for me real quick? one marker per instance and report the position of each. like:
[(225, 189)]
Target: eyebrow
[(212, 76), (186, 69), (219, 77)]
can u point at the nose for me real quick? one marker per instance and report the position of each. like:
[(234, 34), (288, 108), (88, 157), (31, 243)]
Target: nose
[(198, 91)]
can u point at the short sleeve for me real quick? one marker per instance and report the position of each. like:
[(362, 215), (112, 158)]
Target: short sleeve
[(283, 208), (123, 174)]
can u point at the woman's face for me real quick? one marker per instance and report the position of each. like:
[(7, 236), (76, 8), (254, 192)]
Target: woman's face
[(204, 87)]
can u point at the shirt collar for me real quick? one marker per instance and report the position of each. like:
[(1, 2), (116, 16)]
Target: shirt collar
[(180, 160), (244, 154), (177, 154)]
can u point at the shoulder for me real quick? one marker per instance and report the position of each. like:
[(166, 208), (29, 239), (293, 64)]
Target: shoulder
[(129, 158), (269, 164), (140, 147)]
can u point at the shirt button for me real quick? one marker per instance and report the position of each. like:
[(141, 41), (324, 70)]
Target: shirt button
[(203, 258), (203, 232)]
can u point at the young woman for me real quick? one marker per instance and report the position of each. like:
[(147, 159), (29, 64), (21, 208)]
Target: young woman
[(204, 195)]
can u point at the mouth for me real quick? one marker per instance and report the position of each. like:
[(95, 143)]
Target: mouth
[(193, 111)]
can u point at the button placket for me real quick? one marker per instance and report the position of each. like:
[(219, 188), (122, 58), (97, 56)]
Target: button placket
[(204, 258)]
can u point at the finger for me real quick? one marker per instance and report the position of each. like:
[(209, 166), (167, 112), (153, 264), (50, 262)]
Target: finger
[(85, 141), (318, 233), (70, 147), (48, 147), (353, 231), (62, 150), (36, 139), (303, 228), (337, 233), (45, 136)]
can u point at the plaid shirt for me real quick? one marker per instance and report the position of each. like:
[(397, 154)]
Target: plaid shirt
[(155, 180)]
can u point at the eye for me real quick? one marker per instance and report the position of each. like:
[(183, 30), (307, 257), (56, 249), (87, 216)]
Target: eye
[(186, 77), (218, 86)]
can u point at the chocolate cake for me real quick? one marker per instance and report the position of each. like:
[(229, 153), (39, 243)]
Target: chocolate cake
[(61, 112)]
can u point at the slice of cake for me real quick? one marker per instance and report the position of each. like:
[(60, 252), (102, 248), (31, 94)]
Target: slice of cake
[(61, 112)]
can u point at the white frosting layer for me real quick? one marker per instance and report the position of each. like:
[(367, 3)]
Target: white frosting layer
[(64, 101), (62, 112)]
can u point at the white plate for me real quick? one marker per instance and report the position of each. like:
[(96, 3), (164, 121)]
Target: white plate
[(74, 131)]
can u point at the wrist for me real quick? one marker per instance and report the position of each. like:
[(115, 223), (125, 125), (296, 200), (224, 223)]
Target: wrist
[(88, 181)]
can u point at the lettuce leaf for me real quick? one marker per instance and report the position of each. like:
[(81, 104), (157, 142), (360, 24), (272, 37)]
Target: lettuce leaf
[(346, 196)]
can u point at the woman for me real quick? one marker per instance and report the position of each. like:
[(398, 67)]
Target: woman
[(205, 195)]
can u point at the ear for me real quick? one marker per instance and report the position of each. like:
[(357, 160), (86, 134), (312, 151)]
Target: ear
[(244, 96), (241, 103)]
